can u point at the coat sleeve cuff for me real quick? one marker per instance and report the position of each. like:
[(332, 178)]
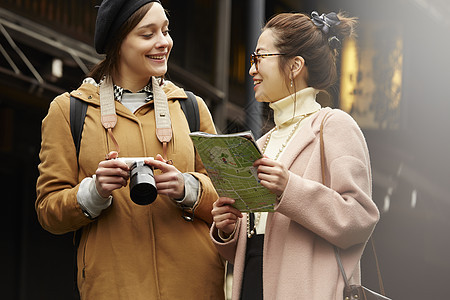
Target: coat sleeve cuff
[(90, 200)]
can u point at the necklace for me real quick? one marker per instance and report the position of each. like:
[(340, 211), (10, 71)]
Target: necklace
[(291, 133), (251, 232)]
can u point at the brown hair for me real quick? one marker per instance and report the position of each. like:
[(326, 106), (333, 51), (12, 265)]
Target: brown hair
[(108, 66), (296, 35)]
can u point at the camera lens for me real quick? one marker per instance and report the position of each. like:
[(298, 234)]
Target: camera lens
[(142, 184)]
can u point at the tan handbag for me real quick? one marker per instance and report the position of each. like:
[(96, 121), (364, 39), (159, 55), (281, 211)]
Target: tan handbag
[(356, 291)]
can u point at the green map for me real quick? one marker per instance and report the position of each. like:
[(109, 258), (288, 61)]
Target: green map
[(228, 159)]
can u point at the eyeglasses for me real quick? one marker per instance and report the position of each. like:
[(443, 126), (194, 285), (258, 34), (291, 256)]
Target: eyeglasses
[(254, 58)]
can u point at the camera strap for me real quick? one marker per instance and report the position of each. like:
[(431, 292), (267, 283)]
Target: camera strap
[(162, 116), (108, 108)]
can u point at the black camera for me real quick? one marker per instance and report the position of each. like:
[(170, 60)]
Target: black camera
[(142, 181)]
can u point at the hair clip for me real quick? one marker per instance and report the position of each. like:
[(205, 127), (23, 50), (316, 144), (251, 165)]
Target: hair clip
[(334, 42), (325, 22)]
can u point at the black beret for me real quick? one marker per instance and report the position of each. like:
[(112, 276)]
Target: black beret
[(111, 15)]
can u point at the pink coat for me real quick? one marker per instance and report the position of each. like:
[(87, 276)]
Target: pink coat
[(298, 259)]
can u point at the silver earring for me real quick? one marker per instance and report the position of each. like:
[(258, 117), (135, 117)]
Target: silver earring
[(291, 83)]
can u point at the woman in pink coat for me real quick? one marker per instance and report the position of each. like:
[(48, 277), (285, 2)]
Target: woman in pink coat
[(289, 253)]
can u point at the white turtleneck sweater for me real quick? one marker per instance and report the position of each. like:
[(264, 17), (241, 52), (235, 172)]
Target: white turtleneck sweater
[(287, 112)]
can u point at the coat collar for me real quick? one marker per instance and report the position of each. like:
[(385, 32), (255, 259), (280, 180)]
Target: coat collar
[(89, 92), (305, 136)]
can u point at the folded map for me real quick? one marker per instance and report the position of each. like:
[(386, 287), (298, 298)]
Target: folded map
[(228, 159)]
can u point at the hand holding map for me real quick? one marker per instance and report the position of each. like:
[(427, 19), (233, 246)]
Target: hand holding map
[(228, 159)]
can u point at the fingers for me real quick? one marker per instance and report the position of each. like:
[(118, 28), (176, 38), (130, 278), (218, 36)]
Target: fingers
[(226, 226), (166, 185), (115, 176), (271, 170), (112, 155), (110, 175), (224, 215), (223, 205), (105, 184), (266, 161), (170, 184), (160, 158), (170, 180), (110, 183), (161, 164), (276, 188), (274, 171), (172, 175), (223, 201), (112, 168), (272, 174)]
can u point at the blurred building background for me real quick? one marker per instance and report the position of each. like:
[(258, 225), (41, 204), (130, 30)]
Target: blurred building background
[(394, 80)]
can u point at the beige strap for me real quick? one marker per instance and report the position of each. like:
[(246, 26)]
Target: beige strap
[(322, 151), (108, 108), (107, 105), (162, 116)]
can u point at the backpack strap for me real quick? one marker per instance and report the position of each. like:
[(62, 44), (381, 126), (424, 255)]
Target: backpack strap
[(78, 110), (190, 109)]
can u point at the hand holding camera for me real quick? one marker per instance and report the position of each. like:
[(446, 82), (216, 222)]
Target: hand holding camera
[(111, 174), (114, 173), (170, 181), (144, 184), (142, 180)]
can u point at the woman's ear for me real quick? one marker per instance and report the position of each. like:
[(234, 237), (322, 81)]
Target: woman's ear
[(297, 66)]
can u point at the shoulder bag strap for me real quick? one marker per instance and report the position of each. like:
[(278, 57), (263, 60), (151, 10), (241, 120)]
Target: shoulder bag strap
[(380, 280), (336, 250)]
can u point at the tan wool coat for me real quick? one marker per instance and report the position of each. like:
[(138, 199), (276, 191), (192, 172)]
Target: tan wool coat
[(129, 251), (298, 257)]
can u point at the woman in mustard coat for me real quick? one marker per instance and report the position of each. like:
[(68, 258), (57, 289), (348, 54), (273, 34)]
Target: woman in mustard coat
[(129, 250)]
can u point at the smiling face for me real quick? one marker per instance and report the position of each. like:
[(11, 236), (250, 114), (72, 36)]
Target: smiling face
[(145, 50), (270, 84)]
